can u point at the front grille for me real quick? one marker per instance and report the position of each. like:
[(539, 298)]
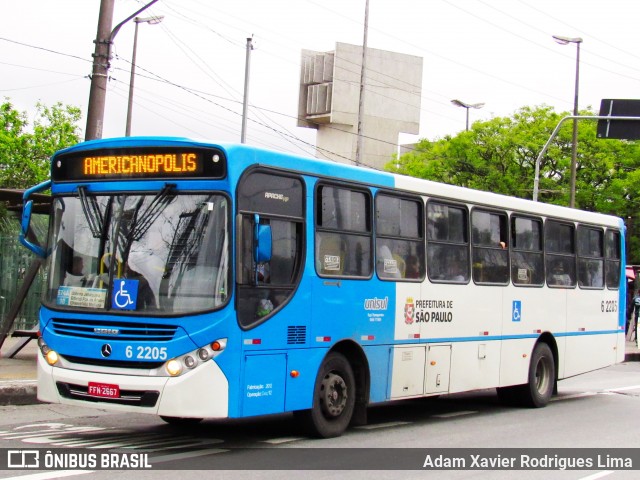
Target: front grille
[(108, 330), (103, 362), (296, 335), (138, 398)]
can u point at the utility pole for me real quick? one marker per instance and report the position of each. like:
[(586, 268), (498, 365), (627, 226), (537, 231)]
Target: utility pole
[(100, 72), (245, 103), (363, 79)]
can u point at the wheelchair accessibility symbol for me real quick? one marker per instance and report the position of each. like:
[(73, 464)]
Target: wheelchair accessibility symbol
[(516, 311), (125, 294)]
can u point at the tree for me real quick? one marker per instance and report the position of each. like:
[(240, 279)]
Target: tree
[(499, 155), (25, 155)]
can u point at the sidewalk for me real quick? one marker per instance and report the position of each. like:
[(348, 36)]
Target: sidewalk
[(18, 374)]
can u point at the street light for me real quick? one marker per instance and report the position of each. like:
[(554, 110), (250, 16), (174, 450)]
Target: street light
[(137, 21), (574, 145), (467, 106), (245, 102)]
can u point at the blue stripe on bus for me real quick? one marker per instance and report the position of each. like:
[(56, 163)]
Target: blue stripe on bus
[(505, 337)]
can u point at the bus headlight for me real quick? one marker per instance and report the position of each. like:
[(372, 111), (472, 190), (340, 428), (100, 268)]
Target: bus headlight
[(174, 367), (189, 361), (51, 357)]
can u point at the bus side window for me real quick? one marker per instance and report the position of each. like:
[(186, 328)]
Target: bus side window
[(560, 254), (447, 243), (399, 238), (490, 252), (527, 260), (590, 257), (612, 259), (344, 237)]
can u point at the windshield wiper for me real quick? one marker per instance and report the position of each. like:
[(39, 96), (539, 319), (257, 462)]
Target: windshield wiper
[(153, 211), (92, 212)]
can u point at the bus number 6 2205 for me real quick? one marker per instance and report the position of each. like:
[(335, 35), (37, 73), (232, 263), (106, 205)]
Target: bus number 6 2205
[(146, 353)]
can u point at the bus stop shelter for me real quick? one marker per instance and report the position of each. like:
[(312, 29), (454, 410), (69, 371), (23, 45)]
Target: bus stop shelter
[(18, 270)]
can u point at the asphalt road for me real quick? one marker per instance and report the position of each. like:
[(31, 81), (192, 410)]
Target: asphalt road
[(593, 411)]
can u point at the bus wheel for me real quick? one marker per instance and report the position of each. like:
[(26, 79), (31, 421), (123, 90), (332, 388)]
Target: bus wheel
[(182, 422), (537, 391), (542, 376), (334, 398)]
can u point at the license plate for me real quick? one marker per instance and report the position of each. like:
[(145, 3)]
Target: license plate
[(106, 390)]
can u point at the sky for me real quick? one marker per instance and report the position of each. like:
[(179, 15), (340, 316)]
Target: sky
[(190, 68)]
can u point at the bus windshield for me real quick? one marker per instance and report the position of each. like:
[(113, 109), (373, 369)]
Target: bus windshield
[(162, 253)]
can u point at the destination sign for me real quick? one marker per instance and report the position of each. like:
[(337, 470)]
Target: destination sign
[(138, 163)]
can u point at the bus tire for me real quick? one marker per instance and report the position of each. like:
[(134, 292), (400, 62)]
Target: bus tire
[(181, 422), (537, 391), (334, 397)]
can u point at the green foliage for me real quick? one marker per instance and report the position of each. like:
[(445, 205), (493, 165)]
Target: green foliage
[(499, 155), (24, 155)]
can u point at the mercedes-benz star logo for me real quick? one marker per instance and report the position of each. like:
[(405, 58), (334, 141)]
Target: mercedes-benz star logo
[(105, 350)]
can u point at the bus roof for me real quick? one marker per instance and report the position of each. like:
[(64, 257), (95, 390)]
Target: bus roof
[(245, 155)]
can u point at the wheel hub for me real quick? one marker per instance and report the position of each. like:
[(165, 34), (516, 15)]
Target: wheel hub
[(333, 395)]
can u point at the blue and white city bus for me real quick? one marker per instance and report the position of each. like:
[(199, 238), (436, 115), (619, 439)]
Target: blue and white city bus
[(193, 280)]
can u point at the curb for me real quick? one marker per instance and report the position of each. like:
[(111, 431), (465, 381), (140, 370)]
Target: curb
[(18, 392)]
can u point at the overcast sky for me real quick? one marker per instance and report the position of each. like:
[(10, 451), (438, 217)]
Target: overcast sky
[(191, 66)]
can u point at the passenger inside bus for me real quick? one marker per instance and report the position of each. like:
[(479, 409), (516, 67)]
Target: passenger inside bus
[(76, 277), (457, 271), (558, 276), (263, 272), (413, 267)]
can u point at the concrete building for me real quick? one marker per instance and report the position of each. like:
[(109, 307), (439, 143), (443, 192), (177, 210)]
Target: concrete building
[(330, 95)]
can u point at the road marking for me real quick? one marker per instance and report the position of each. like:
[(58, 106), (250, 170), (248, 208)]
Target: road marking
[(383, 425), (573, 395), (151, 446), (278, 441), (622, 389), (91, 442), (181, 456), (70, 436), (607, 391), (50, 475), (455, 414), (595, 476)]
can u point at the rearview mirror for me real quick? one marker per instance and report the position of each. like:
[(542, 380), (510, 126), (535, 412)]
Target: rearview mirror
[(262, 239)]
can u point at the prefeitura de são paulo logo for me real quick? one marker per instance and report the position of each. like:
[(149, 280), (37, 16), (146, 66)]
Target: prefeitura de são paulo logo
[(409, 310)]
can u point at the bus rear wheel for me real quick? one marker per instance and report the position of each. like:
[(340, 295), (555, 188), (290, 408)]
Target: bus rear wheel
[(537, 391), (334, 398)]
